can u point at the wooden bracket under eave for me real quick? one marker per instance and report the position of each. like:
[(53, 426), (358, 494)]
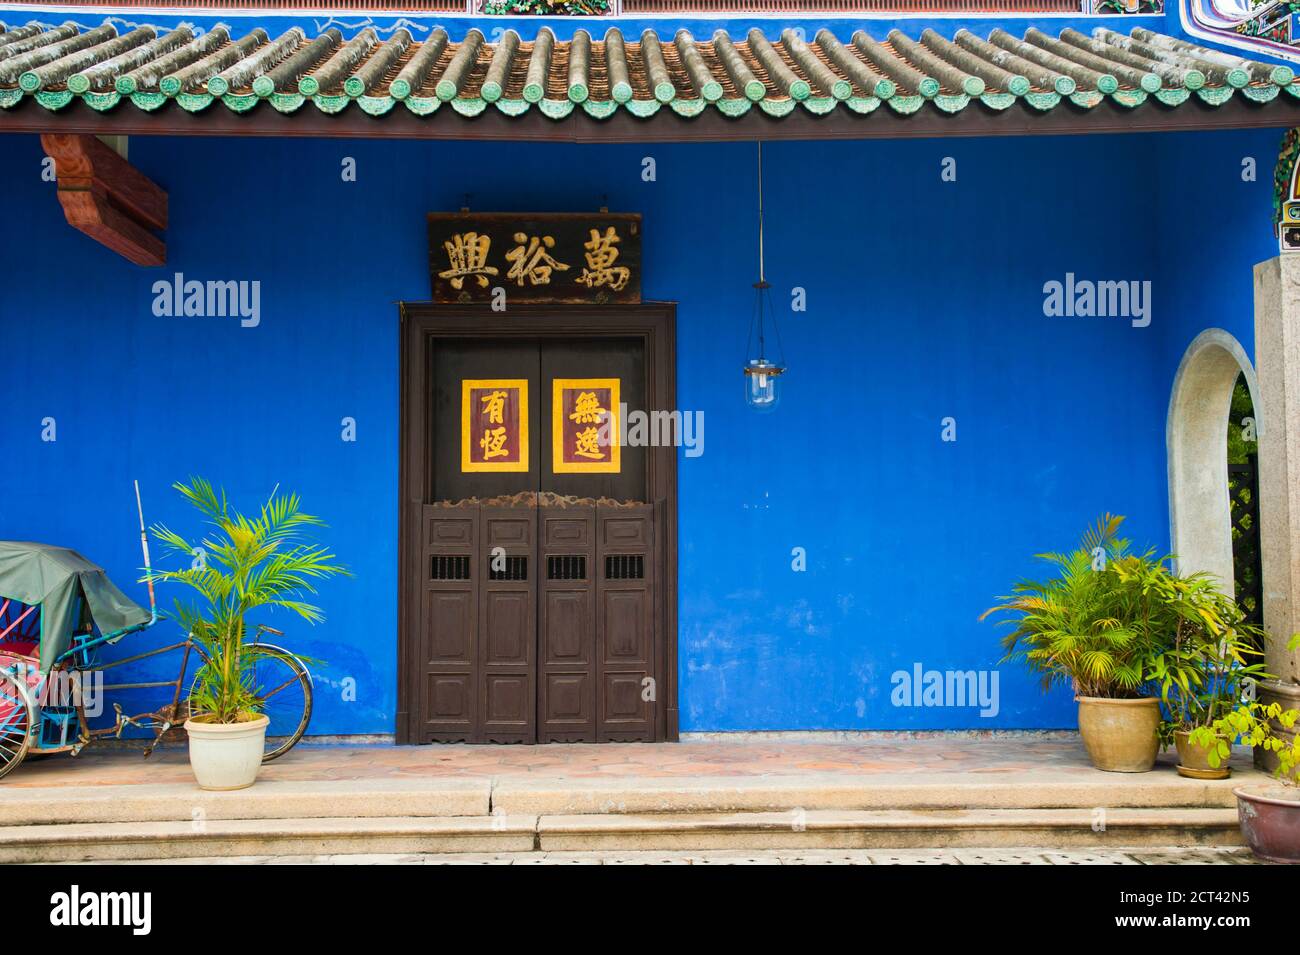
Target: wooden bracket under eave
[(107, 198)]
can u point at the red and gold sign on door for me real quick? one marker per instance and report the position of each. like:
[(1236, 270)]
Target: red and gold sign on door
[(584, 424), (494, 424)]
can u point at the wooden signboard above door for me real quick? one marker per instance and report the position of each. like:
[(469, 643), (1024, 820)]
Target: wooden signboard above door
[(559, 257)]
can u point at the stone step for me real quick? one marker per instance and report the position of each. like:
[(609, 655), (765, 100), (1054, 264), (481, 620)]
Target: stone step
[(86, 842), (1161, 789), (801, 829), (424, 797), (891, 829), (268, 799)]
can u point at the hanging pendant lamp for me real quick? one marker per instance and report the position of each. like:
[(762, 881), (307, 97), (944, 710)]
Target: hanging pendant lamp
[(761, 373)]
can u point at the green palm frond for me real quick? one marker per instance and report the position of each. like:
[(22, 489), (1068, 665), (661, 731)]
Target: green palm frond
[(247, 563), (1113, 622)]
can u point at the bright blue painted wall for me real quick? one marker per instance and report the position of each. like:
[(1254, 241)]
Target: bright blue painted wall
[(924, 301), (1212, 268)]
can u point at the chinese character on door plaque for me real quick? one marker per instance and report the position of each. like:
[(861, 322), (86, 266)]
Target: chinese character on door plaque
[(566, 257), (584, 426), (494, 424)]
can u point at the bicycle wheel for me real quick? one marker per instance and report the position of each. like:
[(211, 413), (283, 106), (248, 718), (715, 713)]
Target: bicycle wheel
[(284, 685), (17, 722)]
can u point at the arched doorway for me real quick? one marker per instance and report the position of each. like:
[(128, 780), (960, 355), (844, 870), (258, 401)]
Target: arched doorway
[(1200, 516)]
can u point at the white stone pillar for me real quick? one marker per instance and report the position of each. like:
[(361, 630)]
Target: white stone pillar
[(1277, 408)]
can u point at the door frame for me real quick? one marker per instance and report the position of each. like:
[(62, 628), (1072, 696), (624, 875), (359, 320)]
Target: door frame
[(654, 325)]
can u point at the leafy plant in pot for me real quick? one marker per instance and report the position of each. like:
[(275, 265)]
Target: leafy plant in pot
[(247, 563), (1269, 815), (1094, 628), (1203, 677)]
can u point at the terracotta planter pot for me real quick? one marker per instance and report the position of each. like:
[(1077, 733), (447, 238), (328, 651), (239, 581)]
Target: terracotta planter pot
[(1270, 822), (226, 755), (1194, 761), (1120, 735)]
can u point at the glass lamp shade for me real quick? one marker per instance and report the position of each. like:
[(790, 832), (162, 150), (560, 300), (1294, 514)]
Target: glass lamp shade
[(761, 392)]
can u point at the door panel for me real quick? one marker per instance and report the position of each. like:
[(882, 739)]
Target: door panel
[(508, 633), (626, 682), (454, 362), (449, 612), (567, 635), (621, 360)]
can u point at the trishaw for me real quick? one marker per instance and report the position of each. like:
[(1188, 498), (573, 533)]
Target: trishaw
[(58, 611)]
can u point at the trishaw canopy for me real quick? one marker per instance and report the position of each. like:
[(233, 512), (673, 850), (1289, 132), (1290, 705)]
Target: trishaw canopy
[(53, 578)]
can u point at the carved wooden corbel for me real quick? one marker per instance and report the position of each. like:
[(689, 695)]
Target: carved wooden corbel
[(107, 198)]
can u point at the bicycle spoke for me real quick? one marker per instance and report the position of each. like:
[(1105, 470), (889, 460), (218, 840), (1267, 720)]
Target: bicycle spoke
[(292, 681), (16, 724), (287, 703)]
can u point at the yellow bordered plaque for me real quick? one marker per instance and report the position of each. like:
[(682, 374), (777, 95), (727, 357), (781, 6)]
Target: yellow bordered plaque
[(584, 426), (494, 424)]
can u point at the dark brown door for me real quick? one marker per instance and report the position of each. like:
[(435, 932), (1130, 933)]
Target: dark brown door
[(538, 611), (596, 655)]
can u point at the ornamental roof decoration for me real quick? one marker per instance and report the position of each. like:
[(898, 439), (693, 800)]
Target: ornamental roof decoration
[(149, 69)]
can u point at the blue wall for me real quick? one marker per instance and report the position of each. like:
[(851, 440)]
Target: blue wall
[(925, 300), (1218, 227)]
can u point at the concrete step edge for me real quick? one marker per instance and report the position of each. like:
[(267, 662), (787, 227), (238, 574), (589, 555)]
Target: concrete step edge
[(743, 821), (268, 799), (813, 829), (274, 799), (891, 819), (632, 796)]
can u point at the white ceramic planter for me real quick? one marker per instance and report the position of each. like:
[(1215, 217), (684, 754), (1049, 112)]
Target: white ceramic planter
[(226, 755)]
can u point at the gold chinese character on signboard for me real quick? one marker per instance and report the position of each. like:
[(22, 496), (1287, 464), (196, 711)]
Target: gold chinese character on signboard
[(532, 262), (467, 255), (586, 444), (586, 408), (493, 443), (601, 255), (494, 404)]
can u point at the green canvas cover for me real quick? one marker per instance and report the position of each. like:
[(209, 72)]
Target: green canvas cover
[(54, 577)]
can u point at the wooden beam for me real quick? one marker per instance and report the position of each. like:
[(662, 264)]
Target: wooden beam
[(711, 126), (107, 198)]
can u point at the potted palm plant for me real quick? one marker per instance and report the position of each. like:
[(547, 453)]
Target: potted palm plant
[(1092, 628), (241, 564)]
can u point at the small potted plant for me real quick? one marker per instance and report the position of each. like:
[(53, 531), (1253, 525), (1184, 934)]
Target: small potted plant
[(1205, 674), (1092, 628), (240, 565), (1269, 815)]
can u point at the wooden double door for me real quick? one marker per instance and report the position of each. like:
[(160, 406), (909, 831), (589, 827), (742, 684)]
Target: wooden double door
[(535, 602), (539, 623)]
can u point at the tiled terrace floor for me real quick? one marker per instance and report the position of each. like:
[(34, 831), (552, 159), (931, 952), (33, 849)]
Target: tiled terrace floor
[(988, 760)]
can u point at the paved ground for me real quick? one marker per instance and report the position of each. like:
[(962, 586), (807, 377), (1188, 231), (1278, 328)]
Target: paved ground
[(1144, 856), (872, 760), (1046, 780)]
